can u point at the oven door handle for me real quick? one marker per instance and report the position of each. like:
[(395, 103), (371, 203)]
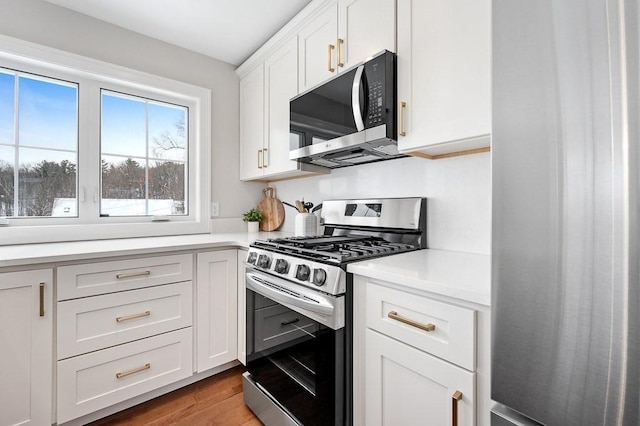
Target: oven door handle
[(310, 300)]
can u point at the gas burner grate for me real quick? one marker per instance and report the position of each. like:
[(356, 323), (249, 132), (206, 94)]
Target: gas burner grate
[(335, 249)]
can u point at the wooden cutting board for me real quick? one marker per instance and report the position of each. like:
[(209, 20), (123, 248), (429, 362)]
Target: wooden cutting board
[(273, 210)]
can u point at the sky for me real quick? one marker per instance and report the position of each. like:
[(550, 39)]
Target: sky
[(48, 118)]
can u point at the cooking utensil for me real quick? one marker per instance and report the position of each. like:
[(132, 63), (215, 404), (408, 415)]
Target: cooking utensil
[(300, 206), (272, 209)]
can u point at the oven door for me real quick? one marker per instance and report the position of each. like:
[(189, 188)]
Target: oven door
[(296, 348)]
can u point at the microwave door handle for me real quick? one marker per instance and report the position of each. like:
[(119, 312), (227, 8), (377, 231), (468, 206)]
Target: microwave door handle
[(355, 98)]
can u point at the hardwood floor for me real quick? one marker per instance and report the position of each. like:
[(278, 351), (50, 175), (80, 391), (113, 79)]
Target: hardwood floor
[(213, 401)]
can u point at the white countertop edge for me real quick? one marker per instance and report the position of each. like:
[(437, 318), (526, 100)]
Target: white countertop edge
[(463, 276), (34, 254)]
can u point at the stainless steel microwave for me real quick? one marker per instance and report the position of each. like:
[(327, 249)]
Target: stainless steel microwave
[(350, 119)]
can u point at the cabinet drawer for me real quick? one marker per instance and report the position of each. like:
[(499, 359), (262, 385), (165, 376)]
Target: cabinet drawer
[(94, 323), (453, 338), (90, 382), (107, 277)]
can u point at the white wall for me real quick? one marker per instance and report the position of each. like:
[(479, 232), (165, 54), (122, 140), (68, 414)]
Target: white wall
[(44, 23), (458, 190)]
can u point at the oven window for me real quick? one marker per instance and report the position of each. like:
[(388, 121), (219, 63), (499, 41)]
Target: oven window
[(297, 360)]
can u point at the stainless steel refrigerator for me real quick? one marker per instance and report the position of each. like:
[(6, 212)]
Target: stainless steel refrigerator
[(565, 157)]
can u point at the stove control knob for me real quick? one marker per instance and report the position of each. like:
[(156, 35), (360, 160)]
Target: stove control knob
[(253, 256), (303, 272), (264, 261), (282, 266), (319, 277)]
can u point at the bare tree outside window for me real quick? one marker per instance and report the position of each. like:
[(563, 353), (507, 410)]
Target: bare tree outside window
[(144, 157)]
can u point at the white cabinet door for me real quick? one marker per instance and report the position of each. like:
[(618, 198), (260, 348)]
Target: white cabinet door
[(406, 386), (216, 304), (318, 54), (444, 75), (365, 27), (252, 134), (281, 76), (26, 358)]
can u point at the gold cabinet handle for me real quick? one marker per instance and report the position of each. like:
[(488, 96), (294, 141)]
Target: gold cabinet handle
[(340, 43), (259, 152), (122, 374), (457, 396), (41, 299), (133, 275), (134, 316), (426, 327), (264, 161), (329, 55), (402, 132)]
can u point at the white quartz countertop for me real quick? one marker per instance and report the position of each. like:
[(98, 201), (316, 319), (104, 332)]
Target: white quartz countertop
[(464, 276), (30, 254)]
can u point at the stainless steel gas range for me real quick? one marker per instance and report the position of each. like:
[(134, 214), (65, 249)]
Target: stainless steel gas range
[(299, 308)]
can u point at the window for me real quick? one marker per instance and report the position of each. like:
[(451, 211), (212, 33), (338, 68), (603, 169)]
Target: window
[(90, 150), (144, 157), (38, 145)]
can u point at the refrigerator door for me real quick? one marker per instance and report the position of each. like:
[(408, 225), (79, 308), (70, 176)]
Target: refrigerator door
[(566, 302)]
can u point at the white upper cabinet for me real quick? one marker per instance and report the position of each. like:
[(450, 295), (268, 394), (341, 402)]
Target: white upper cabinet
[(365, 27), (443, 75), (318, 41), (281, 77), (252, 135), (265, 139), (342, 35)]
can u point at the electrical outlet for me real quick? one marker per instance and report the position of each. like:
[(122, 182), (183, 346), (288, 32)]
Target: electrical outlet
[(215, 209)]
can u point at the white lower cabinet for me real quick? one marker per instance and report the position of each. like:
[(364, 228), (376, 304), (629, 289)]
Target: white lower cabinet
[(96, 380), (406, 386), (124, 328), (216, 306), (26, 342), (415, 358)]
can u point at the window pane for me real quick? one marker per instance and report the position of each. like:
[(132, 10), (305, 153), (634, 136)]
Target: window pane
[(123, 126), (7, 104), (6, 180), (123, 186), (48, 115), (167, 140), (150, 164), (167, 184), (46, 183)]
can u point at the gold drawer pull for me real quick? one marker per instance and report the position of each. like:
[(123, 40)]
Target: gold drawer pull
[(133, 274), (457, 396), (426, 327), (134, 316), (41, 299), (402, 132), (340, 43), (329, 56), (264, 161), (134, 371)]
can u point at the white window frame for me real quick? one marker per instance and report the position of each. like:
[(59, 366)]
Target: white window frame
[(92, 76)]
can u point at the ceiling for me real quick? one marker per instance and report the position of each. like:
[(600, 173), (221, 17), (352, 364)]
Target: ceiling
[(229, 30)]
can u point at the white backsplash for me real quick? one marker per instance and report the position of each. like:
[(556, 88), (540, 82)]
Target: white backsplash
[(458, 192)]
